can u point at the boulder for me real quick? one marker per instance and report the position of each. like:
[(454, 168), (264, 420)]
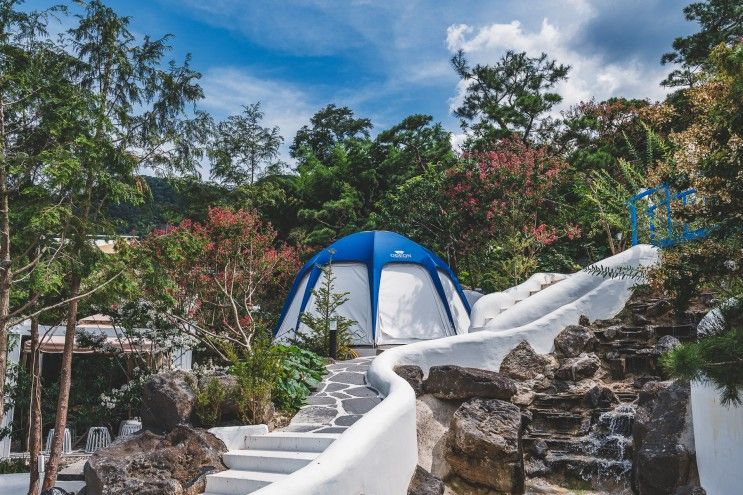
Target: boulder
[(573, 340), (690, 490), (658, 308), (424, 483), (578, 368), (600, 396), (433, 417), (457, 383), (523, 363), (584, 321), (173, 464), (664, 454), (167, 400), (484, 445), (666, 343), (413, 375)]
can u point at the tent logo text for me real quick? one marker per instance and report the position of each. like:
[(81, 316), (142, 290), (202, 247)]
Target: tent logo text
[(400, 254)]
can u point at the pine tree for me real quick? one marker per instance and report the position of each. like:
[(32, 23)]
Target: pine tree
[(327, 303)]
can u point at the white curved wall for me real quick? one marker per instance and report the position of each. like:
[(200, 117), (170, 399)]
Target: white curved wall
[(718, 432), (378, 454)]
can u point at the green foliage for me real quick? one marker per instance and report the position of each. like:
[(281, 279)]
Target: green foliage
[(11, 466), (511, 97), (301, 372), (209, 402), (242, 149), (721, 21), (257, 372), (327, 302), (716, 358)]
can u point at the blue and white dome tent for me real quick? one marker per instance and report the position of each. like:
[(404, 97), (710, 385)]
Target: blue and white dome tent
[(399, 291)]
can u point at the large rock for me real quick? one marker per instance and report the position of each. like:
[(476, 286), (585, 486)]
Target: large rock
[(484, 445), (573, 340), (168, 399), (664, 454), (578, 368), (424, 483), (413, 375), (457, 383), (523, 363), (151, 464)]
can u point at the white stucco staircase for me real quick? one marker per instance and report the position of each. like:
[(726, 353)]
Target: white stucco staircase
[(266, 459), (489, 306)]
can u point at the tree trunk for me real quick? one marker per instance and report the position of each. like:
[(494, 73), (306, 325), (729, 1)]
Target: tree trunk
[(65, 379), (6, 274), (34, 438)]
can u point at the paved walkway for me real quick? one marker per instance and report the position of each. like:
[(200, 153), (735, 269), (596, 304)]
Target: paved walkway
[(343, 398)]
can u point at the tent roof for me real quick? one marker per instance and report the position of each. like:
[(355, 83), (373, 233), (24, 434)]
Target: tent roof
[(375, 249)]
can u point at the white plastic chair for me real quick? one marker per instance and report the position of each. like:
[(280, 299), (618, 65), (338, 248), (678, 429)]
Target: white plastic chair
[(66, 444), (98, 438), (129, 427)]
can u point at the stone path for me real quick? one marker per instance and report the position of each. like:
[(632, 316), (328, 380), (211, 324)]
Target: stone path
[(343, 398)]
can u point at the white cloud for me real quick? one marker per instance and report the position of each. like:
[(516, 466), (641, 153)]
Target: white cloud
[(227, 89), (590, 75)]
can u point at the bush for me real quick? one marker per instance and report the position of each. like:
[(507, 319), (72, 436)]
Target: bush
[(257, 371), (301, 372), (210, 401)]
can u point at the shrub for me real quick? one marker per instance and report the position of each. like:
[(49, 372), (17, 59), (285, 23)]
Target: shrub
[(301, 372), (257, 371), (210, 401)]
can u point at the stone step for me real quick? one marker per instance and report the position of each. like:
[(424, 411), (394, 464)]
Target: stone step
[(561, 401), (563, 422), (632, 364), (608, 448), (586, 468), (685, 333), (291, 441), (269, 461), (237, 482)]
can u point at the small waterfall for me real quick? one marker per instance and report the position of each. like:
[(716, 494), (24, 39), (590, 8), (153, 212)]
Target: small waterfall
[(610, 439)]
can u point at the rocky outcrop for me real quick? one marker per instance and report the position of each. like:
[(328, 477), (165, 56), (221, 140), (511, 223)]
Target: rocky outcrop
[(574, 340), (578, 368), (424, 483), (168, 400), (523, 363), (484, 445), (413, 375), (457, 383), (664, 458), (151, 464)]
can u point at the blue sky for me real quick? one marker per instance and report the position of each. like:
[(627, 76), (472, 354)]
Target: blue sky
[(387, 59)]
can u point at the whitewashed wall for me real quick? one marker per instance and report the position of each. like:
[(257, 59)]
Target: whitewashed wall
[(718, 437), (718, 431), (378, 454)]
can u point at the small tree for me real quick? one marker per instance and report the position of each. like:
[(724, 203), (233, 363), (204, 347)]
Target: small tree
[(327, 302)]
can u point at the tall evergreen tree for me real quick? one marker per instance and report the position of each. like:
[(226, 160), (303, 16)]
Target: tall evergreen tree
[(137, 109), (721, 21), (511, 97), (242, 148)]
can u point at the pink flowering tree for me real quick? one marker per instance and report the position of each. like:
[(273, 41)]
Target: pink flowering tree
[(506, 211), (221, 282)]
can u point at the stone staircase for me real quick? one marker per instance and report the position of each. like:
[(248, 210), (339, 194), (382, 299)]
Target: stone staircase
[(266, 459), (578, 437)]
